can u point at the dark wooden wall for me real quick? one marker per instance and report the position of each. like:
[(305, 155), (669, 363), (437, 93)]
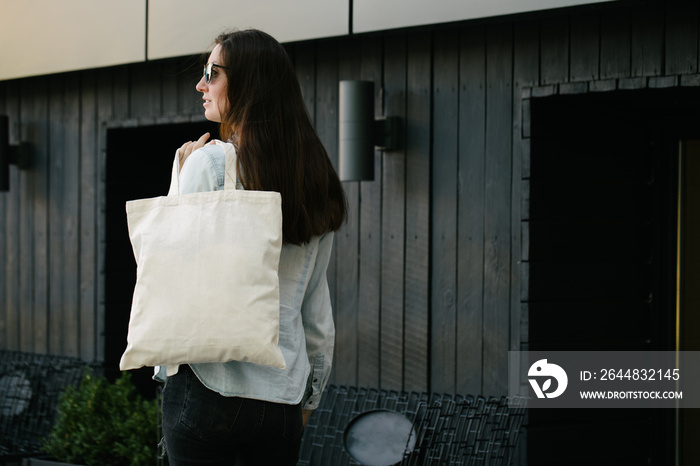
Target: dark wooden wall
[(52, 221), (427, 277)]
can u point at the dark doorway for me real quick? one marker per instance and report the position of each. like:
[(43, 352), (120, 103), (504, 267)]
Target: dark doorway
[(139, 163), (603, 231), (688, 274)]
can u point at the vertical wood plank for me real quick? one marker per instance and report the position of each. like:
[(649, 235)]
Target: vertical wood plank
[(368, 311), (41, 204), (393, 222), (121, 93), (682, 37), (26, 231), (107, 110), (62, 308), (647, 40), (3, 244), (498, 173), (305, 66), (327, 129), (144, 90), (13, 224), (615, 37), (417, 280), (346, 350), (585, 46), (56, 159), (470, 252), (444, 212), (5, 199), (554, 53), (104, 94), (169, 88), (69, 221), (88, 216), (525, 74), (327, 115), (34, 214)]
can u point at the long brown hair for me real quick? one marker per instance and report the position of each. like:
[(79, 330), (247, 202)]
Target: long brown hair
[(277, 146)]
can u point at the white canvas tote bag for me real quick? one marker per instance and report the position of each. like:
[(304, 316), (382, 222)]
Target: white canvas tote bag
[(207, 288)]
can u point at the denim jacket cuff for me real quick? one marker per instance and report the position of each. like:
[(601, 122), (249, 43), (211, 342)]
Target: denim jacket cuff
[(316, 384)]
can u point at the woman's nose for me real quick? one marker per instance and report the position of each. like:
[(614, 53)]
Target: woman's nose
[(201, 85)]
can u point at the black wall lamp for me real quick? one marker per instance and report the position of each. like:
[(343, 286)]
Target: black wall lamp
[(19, 154), (359, 133)]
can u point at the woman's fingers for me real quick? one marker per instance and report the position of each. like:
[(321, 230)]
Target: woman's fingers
[(201, 141), (187, 148), (182, 153)]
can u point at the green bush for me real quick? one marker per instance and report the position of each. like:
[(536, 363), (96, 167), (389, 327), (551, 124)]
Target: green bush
[(104, 424)]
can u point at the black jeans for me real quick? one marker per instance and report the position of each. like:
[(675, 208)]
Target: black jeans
[(203, 427)]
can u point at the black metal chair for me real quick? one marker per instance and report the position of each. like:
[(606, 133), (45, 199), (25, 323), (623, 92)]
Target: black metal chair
[(30, 386), (445, 429)]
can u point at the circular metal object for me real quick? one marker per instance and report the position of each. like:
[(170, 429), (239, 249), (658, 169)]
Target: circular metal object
[(379, 438)]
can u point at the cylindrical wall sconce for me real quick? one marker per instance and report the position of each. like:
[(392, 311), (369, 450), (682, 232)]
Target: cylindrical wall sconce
[(4, 153), (356, 131), (18, 155)]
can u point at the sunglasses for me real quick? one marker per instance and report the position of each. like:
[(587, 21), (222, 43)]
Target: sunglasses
[(208, 69)]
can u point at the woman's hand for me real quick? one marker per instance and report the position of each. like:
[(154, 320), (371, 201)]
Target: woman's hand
[(189, 147)]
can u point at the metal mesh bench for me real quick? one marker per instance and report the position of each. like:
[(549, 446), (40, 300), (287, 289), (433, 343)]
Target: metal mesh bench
[(30, 386), (446, 430)]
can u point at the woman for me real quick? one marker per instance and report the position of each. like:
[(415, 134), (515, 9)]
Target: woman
[(242, 413)]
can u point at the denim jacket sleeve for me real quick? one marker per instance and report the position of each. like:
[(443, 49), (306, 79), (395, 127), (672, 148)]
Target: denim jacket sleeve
[(202, 171), (319, 329)]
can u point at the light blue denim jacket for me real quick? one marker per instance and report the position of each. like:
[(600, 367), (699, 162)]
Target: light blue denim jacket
[(307, 332)]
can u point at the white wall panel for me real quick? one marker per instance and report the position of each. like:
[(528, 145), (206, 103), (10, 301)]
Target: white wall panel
[(51, 36), (375, 15), (48, 36), (183, 27)]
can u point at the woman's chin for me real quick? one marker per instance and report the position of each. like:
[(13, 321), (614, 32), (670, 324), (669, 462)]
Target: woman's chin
[(216, 118)]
